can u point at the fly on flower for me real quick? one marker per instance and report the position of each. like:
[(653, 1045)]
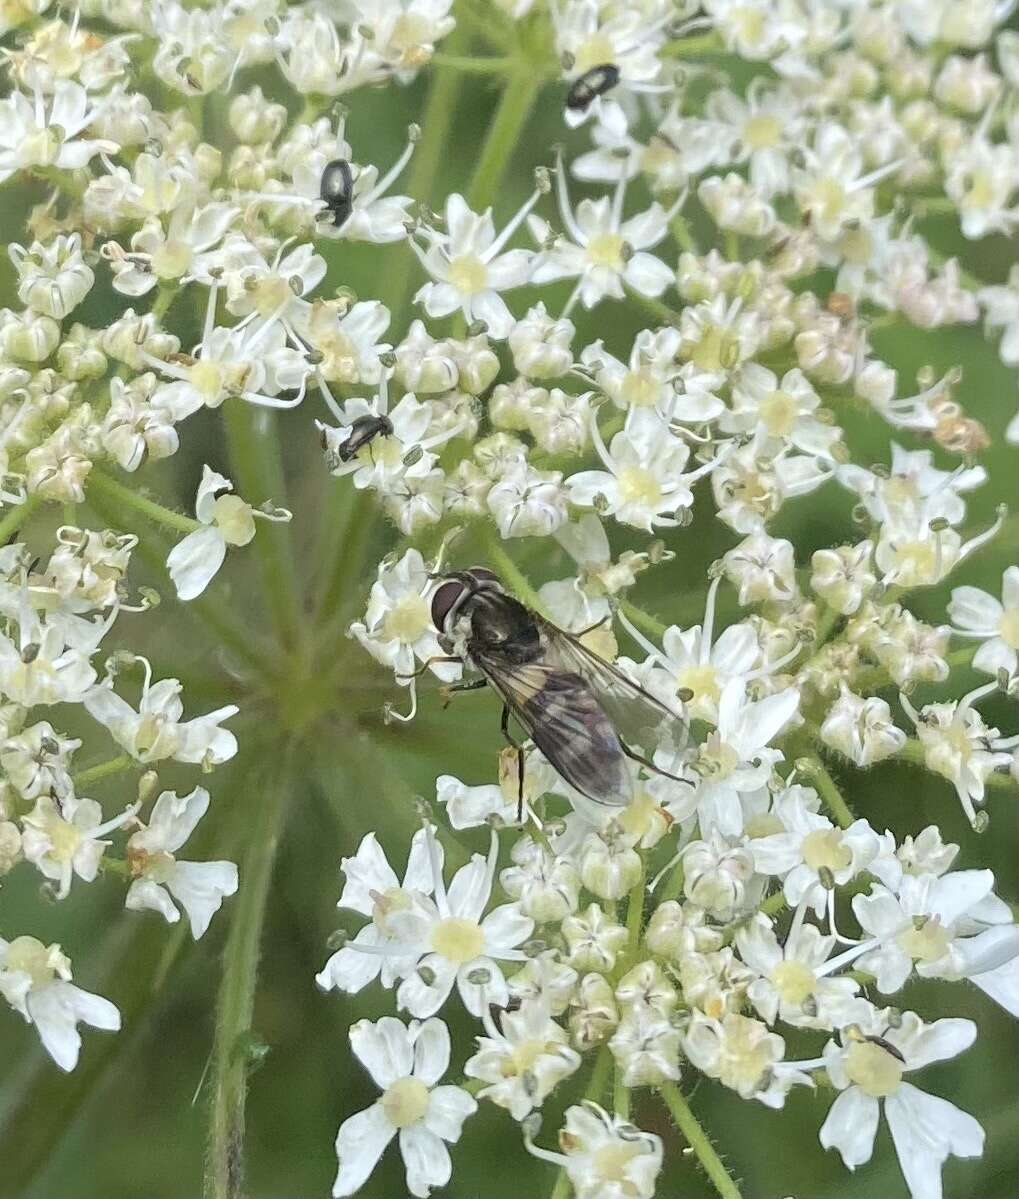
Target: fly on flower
[(578, 709), (363, 431)]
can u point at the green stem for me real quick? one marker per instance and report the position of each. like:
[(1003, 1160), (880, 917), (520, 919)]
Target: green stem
[(92, 774), (698, 1141), (643, 620), (635, 919), (512, 573), (518, 97), (224, 1171), (17, 517), (695, 46), (254, 446), (620, 1094), (830, 795), (481, 65), (117, 493)]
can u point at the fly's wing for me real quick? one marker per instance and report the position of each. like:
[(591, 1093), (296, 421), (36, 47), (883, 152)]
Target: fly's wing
[(639, 717), (562, 716)]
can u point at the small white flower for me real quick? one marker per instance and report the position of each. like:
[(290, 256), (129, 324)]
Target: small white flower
[(1001, 305), (642, 483), (159, 878), (842, 577), (528, 502), (227, 520), (741, 1053), (63, 840), (763, 568), (862, 729), (523, 1060), (407, 1062), (35, 979), (995, 623), (468, 268), (604, 1156), (155, 731), (646, 1048), (925, 1129), (44, 131)]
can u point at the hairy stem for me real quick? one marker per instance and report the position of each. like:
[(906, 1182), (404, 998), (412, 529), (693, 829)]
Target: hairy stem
[(254, 445), (224, 1171), (828, 790), (594, 1091), (103, 770), (698, 1141), (14, 519), (109, 489), (512, 574)]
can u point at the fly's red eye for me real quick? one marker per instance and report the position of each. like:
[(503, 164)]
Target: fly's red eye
[(446, 595)]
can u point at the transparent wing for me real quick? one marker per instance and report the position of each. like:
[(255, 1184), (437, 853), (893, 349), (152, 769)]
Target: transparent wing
[(638, 716), (562, 716)]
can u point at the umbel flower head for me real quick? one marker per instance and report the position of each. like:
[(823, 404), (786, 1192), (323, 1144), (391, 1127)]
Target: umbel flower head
[(646, 372)]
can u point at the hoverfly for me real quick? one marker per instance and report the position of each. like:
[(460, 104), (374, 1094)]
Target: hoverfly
[(363, 431), (595, 82), (576, 707), (336, 191)]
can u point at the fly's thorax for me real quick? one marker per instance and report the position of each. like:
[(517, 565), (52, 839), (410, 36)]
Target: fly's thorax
[(502, 625)]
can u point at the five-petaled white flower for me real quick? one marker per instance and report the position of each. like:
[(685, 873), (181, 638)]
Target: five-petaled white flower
[(407, 1062)]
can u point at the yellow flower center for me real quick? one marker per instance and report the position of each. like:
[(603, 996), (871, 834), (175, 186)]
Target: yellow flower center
[(829, 198), (64, 839), (778, 413), (874, 1070), (32, 957), (702, 680), (171, 260), (793, 981), (926, 944), (232, 516), (823, 847), (405, 1102), (1008, 627), (715, 349), (717, 758), (595, 52), (207, 379), (748, 23), (410, 31), (458, 940), (271, 294), (468, 274), (610, 1162), (917, 562), (639, 486), (764, 824), (387, 903), (407, 621), (747, 1053), (762, 131), (640, 389), (606, 249), (981, 192), (523, 1057)]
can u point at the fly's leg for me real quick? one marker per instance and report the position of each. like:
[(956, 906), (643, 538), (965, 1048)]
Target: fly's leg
[(452, 689), (636, 757), (425, 665), (597, 625), (520, 762)]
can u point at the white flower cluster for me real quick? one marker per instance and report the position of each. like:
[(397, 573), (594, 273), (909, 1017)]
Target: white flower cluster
[(768, 233)]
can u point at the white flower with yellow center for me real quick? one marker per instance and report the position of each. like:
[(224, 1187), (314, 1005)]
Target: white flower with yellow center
[(226, 520), (861, 728), (779, 412), (982, 178), (842, 577), (35, 979), (468, 268), (155, 731), (397, 629), (957, 745), (161, 255), (43, 131), (159, 878), (952, 926), (601, 248), (407, 1062), (605, 1157), (742, 1053), (523, 1060), (63, 840), (453, 942), (373, 889), (1001, 308), (868, 1067), (643, 483), (813, 856), (996, 623), (793, 985), (760, 128)]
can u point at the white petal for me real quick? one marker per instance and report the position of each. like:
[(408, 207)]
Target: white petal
[(850, 1127), (431, 1052), (468, 892), (383, 1048), (193, 562), (200, 888), (422, 999), (1002, 985), (350, 970), (448, 1107), (360, 1143), (934, 1042), (926, 1130), (57, 1008), (426, 1159), (368, 870), (144, 894), (990, 949)]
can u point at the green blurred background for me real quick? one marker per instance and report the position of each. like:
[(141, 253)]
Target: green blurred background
[(132, 1120)]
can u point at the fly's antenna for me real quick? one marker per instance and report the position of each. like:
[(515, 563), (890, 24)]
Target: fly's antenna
[(438, 566)]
